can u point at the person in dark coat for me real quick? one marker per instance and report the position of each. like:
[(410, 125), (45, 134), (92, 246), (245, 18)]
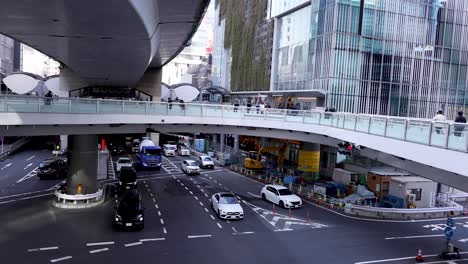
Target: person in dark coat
[(459, 128)]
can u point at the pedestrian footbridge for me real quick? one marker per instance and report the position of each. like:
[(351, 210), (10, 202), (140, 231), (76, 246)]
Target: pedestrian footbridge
[(437, 151)]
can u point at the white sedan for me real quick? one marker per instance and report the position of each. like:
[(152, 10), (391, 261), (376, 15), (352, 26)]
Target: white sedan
[(190, 167), (123, 162), (281, 196), (227, 206)]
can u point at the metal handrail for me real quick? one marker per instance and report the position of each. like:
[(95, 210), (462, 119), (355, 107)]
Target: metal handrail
[(331, 119)]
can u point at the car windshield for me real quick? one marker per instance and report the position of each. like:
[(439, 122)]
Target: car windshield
[(124, 161), (228, 200), (207, 159), (284, 192), (44, 164), (191, 163), (150, 152), (170, 147)]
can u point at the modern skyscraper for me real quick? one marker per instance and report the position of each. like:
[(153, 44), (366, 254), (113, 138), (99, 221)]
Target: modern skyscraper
[(385, 57)]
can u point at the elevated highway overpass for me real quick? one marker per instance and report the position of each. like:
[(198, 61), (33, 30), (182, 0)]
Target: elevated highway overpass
[(414, 145)]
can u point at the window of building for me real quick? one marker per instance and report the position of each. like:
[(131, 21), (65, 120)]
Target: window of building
[(417, 192)]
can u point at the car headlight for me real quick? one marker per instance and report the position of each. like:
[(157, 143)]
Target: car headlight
[(144, 164), (118, 218), (222, 212), (140, 217)]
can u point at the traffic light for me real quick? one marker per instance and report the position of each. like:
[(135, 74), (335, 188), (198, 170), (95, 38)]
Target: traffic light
[(57, 147), (345, 148)]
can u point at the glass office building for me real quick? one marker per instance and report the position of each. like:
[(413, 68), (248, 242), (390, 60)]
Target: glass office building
[(384, 57)]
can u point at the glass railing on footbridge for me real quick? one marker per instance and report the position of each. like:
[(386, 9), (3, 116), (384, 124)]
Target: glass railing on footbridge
[(448, 135)]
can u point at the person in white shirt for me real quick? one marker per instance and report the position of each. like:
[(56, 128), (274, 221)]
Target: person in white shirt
[(439, 117)]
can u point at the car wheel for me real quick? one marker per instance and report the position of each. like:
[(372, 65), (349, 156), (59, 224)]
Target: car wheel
[(263, 197), (281, 204)]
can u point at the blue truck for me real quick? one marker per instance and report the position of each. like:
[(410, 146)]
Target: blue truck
[(150, 155)]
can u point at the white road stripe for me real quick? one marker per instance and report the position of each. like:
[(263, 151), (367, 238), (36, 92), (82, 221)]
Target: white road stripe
[(42, 249), (27, 166), (164, 230), (186, 188), (154, 200), (394, 259), (156, 205), (26, 198), (182, 184), (60, 259), (284, 230), (409, 237), (159, 213), (162, 221), (206, 209), (133, 244), (196, 198), (98, 250), (152, 239), (244, 233), (212, 217), (100, 244), (219, 226), (30, 158), (199, 236), (178, 180), (206, 194), (202, 204), (151, 194), (234, 229), (254, 195)]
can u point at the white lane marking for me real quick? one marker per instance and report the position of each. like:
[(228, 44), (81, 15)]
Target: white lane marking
[(7, 165), (98, 250), (202, 190), (100, 244), (178, 180), (234, 229), (254, 195), (220, 227), (133, 244), (174, 177), (151, 194), (60, 259), (199, 236), (163, 167), (156, 205), (228, 221), (206, 194), (182, 184), (159, 213), (29, 175), (206, 209), (238, 197), (208, 177), (56, 186), (162, 221), (409, 237), (191, 192), (244, 233), (283, 230), (30, 158), (164, 230), (154, 200), (393, 259), (186, 188), (202, 204), (42, 249), (27, 166), (212, 171), (26, 198), (212, 217), (196, 198), (152, 239)]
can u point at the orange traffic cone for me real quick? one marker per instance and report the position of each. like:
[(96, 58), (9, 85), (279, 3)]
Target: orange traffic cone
[(419, 257)]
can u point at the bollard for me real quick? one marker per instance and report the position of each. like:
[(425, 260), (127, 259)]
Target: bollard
[(289, 213), (273, 210)]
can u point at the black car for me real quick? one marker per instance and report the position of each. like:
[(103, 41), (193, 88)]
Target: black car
[(129, 212), (52, 169), (118, 150), (127, 179)]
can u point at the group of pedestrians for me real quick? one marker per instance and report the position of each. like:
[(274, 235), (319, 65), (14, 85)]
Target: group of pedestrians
[(438, 126), (260, 106)]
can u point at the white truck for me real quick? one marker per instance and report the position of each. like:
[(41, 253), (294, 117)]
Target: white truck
[(136, 146), (169, 149)]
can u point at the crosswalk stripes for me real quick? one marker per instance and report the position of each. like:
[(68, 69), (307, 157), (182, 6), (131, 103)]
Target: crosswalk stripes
[(169, 166), (110, 168), (31, 174)]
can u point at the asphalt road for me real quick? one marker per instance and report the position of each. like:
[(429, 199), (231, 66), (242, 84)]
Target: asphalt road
[(181, 227), (18, 173)]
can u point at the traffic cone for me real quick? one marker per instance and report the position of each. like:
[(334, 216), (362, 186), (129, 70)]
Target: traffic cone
[(419, 257)]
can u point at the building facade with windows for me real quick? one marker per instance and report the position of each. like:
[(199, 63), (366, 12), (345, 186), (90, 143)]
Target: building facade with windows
[(384, 57)]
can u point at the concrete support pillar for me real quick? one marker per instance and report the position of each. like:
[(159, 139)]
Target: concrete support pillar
[(82, 164), (263, 142), (222, 139), (63, 142), (215, 139), (150, 83), (236, 143)]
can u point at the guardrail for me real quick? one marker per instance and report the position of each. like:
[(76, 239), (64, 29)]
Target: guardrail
[(401, 213), (78, 200), (13, 147), (450, 135)]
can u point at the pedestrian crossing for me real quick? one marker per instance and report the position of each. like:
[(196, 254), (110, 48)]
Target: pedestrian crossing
[(169, 166)]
